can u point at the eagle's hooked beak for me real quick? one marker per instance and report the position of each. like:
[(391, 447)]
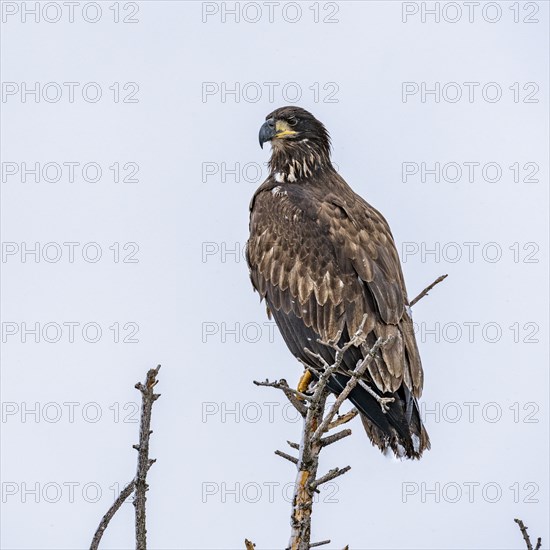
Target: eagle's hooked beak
[(271, 129), (267, 131)]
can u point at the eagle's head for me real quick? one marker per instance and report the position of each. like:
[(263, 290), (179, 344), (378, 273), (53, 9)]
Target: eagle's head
[(300, 143), (286, 126)]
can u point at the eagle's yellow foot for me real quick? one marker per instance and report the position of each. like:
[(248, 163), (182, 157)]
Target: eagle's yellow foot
[(304, 381)]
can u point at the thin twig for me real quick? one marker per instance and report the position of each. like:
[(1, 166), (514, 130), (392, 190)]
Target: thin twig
[(124, 494), (344, 419), (320, 543), (330, 439), (330, 475), (526, 537), (148, 397), (426, 290), (525, 534), (295, 397), (290, 458)]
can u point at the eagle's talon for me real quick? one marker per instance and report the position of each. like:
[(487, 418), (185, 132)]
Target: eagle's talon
[(383, 403)]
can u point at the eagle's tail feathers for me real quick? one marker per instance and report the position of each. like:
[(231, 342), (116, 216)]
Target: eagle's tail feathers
[(389, 430)]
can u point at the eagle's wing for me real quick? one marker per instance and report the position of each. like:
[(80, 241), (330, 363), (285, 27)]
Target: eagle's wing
[(329, 260)]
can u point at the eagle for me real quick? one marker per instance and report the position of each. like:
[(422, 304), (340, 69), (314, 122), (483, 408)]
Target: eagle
[(325, 262)]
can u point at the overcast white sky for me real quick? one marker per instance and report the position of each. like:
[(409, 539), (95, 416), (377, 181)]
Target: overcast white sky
[(150, 182)]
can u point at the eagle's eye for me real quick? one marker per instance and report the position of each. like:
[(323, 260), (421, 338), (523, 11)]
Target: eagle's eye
[(292, 121)]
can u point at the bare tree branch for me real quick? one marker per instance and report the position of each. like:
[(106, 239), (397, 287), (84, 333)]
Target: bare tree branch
[(138, 484), (426, 290), (526, 537), (290, 458), (320, 543), (334, 473), (124, 494), (148, 397), (330, 439), (295, 397), (308, 463), (344, 419), (316, 424)]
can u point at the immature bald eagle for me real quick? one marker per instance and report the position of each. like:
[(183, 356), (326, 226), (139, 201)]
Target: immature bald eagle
[(322, 258)]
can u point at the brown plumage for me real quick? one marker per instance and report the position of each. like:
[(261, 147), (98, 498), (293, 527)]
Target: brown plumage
[(322, 258)]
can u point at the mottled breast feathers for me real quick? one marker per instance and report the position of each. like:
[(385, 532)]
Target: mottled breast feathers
[(323, 253)]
